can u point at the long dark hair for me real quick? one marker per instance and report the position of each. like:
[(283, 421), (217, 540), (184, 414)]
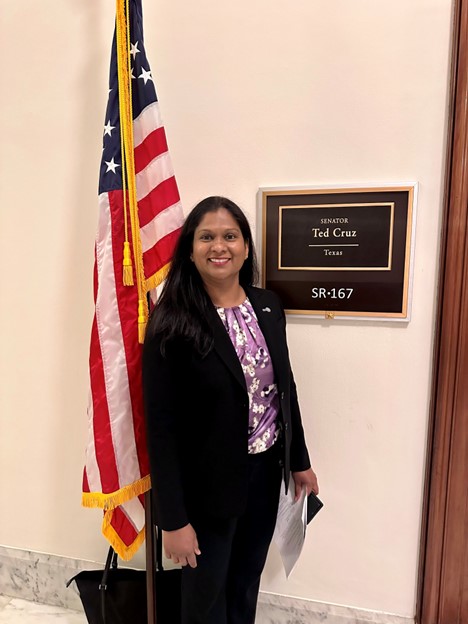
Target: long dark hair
[(183, 307)]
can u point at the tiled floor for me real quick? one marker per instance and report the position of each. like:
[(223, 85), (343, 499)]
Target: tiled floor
[(16, 611)]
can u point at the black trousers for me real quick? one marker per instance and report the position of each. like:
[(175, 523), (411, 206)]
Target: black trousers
[(223, 588)]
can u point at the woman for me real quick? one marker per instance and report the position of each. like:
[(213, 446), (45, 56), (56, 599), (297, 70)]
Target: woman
[(223, 420)]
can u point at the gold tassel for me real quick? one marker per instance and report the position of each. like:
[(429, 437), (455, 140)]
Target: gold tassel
[(141, 332), (127, 265), (142, 321)]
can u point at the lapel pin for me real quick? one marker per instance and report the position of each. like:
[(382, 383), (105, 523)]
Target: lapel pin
[(266, 309)]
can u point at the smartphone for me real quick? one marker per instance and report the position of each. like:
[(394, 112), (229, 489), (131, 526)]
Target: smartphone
[(314, 505)]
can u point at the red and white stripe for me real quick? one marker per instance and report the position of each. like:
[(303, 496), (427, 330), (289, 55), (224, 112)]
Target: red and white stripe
[(159, 208)]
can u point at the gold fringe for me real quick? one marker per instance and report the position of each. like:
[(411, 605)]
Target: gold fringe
[(114, 499), (158, 278), (125, 552), (127, 265)]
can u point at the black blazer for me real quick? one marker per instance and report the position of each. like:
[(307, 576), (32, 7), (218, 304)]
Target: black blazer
[(197, 419)]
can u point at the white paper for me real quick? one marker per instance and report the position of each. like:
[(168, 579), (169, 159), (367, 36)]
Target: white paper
[(291, 524)]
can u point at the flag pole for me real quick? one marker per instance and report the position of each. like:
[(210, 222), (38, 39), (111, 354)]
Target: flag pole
[(150, 560)]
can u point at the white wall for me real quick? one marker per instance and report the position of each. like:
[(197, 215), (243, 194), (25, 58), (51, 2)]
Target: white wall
[(253, 94)]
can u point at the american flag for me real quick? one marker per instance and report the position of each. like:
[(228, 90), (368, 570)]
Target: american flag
[(116, 473)]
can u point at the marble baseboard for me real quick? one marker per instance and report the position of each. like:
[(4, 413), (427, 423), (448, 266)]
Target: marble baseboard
[(17, 611), (275, 609), (42, 578)]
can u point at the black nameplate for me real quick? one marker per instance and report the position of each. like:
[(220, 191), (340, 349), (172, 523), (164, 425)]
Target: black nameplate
[(340, 251)]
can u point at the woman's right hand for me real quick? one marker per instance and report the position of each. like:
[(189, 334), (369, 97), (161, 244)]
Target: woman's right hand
[(181, 546)]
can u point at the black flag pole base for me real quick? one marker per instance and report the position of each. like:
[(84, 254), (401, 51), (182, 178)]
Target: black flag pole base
[(150, 560)]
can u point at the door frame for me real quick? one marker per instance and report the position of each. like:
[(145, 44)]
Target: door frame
[(442, 595)]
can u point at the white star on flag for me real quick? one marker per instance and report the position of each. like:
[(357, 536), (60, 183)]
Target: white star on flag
[(108, 128), (111, 165), (146, 75), (134, 49)]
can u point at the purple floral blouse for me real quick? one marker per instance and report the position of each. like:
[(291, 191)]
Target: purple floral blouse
[(242, 326)]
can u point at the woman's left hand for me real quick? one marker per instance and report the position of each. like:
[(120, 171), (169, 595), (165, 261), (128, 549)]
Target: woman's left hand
[(307, 479)]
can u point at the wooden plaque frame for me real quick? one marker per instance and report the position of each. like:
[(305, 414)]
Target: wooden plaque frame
[(339, 251)]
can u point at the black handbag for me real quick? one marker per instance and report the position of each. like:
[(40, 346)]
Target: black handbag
[(118, 595)]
